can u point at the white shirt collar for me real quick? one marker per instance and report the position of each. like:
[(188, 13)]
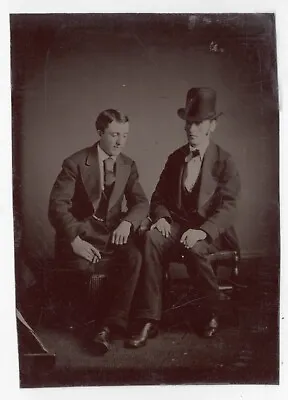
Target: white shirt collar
[(102, 155)]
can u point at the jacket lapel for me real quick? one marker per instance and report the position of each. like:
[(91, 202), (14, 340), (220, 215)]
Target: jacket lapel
[(208, 183), (122, 174), (91, 176)]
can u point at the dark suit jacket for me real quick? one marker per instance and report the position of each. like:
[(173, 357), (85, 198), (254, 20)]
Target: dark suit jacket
[(218, 194), (76, 194)]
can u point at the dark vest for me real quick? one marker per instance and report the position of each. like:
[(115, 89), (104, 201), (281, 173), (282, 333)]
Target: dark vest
[(189, 201)]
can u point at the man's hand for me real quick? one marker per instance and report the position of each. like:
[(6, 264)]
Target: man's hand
[(191, 237), (121, 233), (163, 226), (85, 250)]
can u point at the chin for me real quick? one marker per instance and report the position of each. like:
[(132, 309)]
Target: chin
[(115, 152)]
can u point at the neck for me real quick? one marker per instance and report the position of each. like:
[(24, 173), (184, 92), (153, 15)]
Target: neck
[(109, 155)]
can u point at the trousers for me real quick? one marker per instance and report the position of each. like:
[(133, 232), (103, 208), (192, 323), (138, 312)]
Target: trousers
[(157, 249)]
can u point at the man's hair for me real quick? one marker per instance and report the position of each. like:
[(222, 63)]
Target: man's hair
[(107, 116)]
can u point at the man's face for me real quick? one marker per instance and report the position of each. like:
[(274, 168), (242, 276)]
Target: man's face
[(198, 133), (114, 138)]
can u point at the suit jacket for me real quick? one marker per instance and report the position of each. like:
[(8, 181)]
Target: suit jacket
[(218, 193), (77, 191)]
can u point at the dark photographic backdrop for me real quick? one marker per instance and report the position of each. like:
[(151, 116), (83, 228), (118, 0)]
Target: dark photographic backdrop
[(66, 68)]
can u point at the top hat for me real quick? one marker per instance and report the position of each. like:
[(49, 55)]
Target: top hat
[(200, 105)]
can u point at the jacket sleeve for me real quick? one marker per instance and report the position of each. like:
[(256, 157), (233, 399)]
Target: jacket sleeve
[(158, 208), (137, 202), (60, 202), (227, 194)]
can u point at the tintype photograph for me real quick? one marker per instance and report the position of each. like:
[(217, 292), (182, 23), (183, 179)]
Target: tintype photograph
[(146, 198)]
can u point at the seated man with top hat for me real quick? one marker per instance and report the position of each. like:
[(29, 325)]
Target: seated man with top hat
[(86, 210), (192, 210)]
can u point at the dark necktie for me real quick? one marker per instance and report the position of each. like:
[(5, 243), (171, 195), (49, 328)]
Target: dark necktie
[(192, 154), (109, 175)]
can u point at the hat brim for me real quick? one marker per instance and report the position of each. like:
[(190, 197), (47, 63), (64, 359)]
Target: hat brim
[(182, 114)]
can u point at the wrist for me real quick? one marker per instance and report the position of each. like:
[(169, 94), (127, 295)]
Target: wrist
[(127, 222), (164, 219), (77, 239)]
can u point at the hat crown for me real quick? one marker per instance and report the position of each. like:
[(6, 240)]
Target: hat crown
[(200, 104)]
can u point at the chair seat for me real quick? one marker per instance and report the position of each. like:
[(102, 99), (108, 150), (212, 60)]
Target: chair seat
[(228, 259)]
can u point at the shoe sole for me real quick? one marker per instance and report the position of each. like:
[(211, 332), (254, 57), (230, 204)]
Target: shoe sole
[(99, 348), (130, 345), (211, 334)]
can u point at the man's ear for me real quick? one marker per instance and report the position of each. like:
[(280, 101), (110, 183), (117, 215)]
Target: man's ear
[(213, 125), (100, 133)]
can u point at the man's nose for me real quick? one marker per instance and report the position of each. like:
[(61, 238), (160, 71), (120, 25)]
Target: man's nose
[(120, 141), (193, 128)]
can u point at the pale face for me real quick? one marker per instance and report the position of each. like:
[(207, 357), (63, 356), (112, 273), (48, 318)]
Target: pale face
[(114, 138), (198, 133)]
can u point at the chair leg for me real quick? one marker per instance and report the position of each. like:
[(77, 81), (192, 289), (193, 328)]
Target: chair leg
[(166, 291)]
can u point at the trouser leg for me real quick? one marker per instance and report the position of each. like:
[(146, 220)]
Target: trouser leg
[(202, 275), (123, 274), (156, 247)]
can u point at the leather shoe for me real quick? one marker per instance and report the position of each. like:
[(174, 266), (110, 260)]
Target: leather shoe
[(101, 342), (138, 339), (211, 328)]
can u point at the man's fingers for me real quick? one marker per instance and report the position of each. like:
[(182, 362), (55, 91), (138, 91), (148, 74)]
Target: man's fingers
[(96, 252), (116, 237), (113, 237), (87, 255), (159, 228), (165, 230), (119, 239), (120, 236), (162, 231), (183, 238), (122, 239)]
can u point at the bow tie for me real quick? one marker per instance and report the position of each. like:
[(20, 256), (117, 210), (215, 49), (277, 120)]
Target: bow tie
[(192, 154)]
